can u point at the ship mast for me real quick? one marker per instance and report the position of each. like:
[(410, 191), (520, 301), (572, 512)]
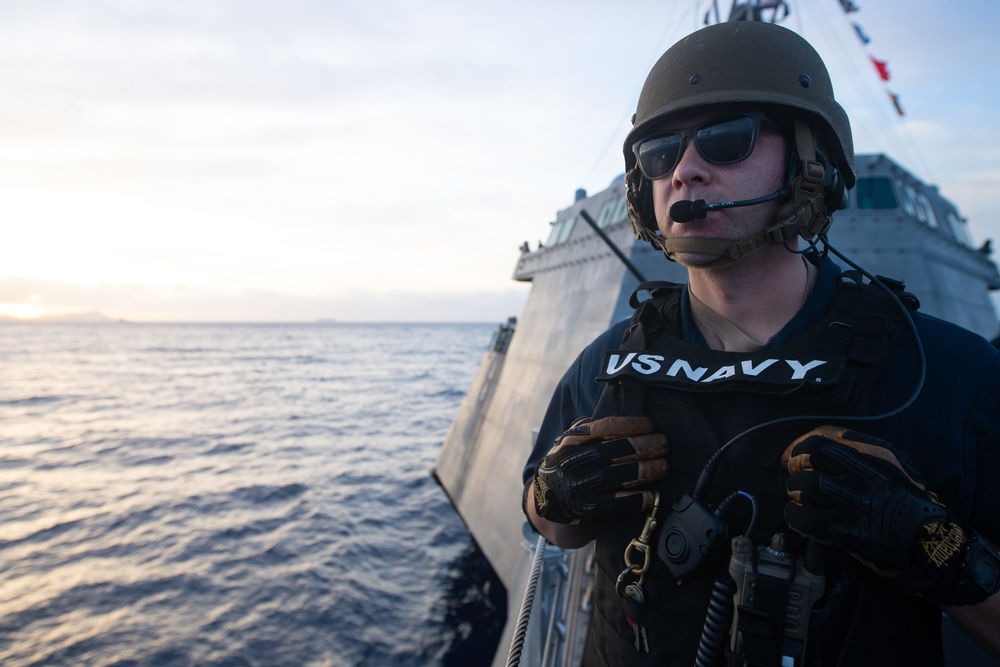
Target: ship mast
[(767, 11)]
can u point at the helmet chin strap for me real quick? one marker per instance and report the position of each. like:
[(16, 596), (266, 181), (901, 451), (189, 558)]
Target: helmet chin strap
[(725, 251), (803, 214)]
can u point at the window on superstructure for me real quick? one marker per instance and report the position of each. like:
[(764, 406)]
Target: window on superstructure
[(561, 231), (875, 193), (604, 219), (959, 229), (926, 210), (554, 233), (916, 204), (622, 211), (612, 212)]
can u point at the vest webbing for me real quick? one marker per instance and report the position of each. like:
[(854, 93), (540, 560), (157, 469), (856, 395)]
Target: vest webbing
[(860, 327)]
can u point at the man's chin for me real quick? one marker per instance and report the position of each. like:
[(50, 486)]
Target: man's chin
[(694, 260), (697, 251)]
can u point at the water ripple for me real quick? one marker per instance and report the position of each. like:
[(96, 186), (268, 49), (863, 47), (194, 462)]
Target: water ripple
[(227, 495)]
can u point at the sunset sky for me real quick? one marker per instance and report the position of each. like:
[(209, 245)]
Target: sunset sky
[(223, 160)]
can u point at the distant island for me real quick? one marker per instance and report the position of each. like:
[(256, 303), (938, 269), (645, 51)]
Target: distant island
[(93, 317)]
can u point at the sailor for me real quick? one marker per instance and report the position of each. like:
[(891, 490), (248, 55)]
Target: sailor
[(781, 462)]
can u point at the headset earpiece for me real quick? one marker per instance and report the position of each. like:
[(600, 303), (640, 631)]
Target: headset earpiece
[(639, 200), (834, 192), (835, 195)]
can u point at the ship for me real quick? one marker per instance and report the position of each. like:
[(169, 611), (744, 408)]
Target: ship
[(581, 280)]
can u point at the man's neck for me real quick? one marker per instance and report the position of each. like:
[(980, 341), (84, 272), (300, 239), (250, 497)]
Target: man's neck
[(758, 294)]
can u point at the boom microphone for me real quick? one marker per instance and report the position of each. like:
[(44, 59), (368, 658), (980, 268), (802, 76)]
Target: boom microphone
[(686, 211)]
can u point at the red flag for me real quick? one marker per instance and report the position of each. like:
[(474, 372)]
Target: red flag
[(882, 67)]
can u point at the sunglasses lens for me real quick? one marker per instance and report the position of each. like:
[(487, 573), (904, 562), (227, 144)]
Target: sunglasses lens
[(659, 155), (727, 141), (724, 141)]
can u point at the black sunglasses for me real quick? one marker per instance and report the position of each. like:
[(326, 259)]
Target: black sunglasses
[(721, 140)]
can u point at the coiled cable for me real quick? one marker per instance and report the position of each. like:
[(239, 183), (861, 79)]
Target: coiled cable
[(718, 618)]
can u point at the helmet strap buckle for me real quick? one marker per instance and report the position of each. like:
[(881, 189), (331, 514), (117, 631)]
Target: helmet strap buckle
[(805, 212)]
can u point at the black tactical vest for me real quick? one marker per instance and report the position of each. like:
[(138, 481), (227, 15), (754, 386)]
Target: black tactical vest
[(702, 399)]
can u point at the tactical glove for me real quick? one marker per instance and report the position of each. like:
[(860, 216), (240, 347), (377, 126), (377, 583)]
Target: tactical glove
[(597, 467), (851, 489)]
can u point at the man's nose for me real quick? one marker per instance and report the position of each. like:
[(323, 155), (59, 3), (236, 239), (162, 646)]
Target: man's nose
[(691, 166)]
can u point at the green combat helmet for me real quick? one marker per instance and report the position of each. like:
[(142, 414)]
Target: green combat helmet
[(756, 65)]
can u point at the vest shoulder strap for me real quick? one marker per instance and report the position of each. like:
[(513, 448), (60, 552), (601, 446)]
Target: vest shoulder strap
[(849, 345)]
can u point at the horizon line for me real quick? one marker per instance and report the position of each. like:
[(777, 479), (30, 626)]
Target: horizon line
[(323, 321)]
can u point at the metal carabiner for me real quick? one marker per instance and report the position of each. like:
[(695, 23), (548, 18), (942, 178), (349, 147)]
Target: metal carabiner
[(641, 544), (630, 591)]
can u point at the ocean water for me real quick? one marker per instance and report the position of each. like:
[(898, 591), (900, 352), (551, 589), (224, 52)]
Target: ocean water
[(236, 495)]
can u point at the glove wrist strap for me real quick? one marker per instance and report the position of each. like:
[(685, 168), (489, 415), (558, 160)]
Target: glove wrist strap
[(979, 576), (955, 566)]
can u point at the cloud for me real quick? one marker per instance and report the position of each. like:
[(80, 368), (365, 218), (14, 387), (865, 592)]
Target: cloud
[(171, 304)]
